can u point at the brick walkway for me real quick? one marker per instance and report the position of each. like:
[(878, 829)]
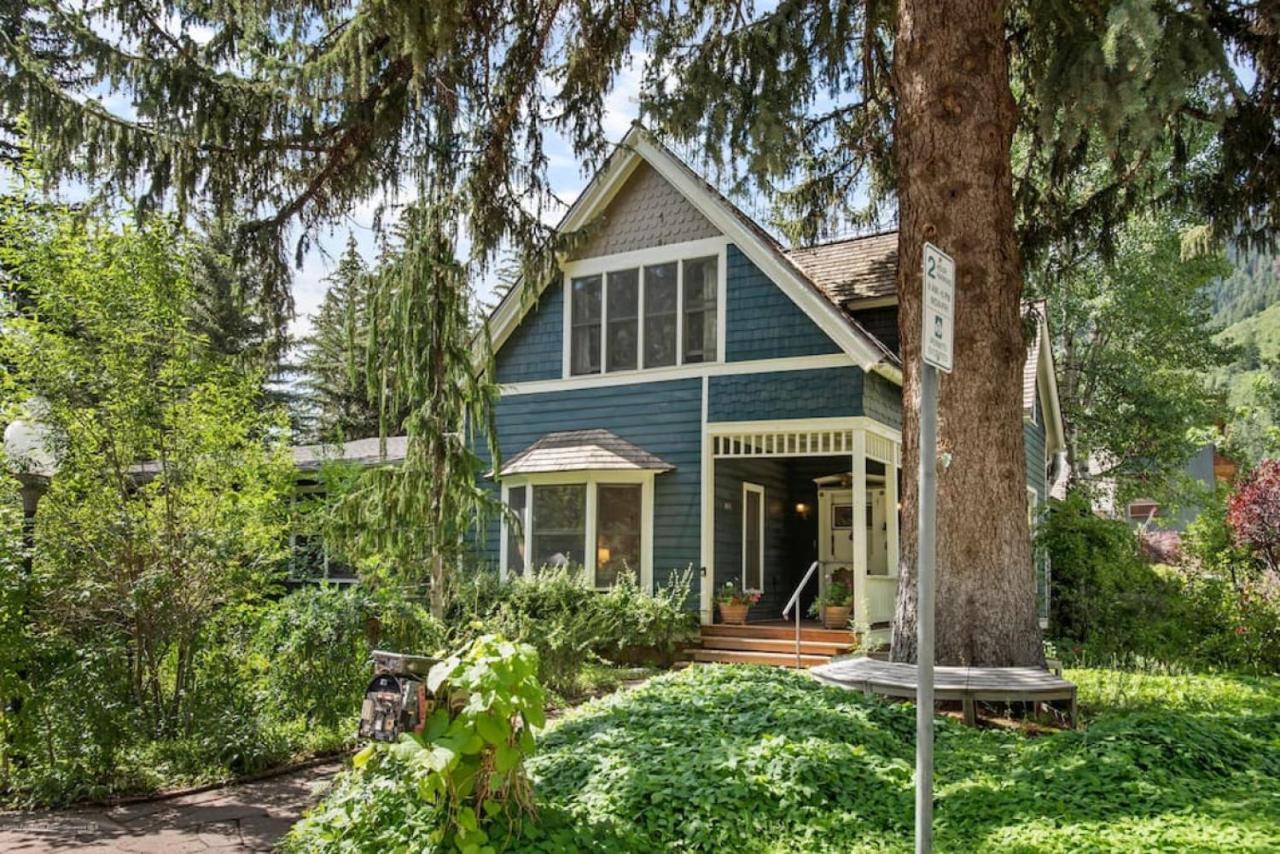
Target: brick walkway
[(246, 817)]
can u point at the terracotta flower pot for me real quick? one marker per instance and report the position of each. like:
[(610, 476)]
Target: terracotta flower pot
[(835, 618), (734, 615)]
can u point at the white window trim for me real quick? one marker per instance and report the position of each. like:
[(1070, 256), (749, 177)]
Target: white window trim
[(592, 480), (677, 253), (759, 490)]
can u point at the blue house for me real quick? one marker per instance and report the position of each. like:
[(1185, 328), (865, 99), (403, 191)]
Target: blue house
[(692, 394)]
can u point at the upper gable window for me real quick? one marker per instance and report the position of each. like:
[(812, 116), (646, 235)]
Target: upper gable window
[(645, 316)]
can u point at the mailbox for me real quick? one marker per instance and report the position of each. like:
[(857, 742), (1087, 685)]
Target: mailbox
[(396, 701)]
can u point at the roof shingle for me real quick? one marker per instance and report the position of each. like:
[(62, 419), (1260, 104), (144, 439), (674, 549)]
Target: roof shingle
[(855, 268), (582, 450)]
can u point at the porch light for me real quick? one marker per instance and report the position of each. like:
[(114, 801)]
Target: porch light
[(802, 510)]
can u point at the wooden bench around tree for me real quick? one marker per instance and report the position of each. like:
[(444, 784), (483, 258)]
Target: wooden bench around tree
[(969, 685)]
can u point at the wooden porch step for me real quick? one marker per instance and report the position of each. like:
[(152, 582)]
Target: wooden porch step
[(774, 630), (774, 659), (783, 645)]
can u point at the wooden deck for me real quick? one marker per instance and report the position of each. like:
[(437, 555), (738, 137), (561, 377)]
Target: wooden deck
[(969, 685)]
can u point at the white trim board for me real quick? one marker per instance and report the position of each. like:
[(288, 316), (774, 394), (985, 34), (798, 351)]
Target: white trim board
[(678, 372)]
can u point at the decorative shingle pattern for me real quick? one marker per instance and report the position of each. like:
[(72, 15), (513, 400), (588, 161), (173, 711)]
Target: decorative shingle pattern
[(857, 268), (646, 212), (583, 450)]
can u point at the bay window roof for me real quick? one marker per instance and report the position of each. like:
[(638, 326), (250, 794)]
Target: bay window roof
[(582, 450)]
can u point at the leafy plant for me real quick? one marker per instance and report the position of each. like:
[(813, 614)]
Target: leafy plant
[(731, 594), (1253, 513), (467, 763), (837, 595), (756, 759)]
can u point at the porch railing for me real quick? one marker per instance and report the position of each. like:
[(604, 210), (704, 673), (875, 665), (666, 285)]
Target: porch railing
[(794, 602)]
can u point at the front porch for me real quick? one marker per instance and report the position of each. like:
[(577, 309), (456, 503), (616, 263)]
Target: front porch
[(779, 496)]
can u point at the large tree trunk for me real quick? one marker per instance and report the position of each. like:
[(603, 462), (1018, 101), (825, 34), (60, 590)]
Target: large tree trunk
[(955, 123)]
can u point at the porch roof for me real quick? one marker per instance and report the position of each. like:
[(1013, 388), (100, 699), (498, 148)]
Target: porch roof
[(582, 450)]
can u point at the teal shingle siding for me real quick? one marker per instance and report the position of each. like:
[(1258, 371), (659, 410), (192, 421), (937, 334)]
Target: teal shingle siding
[(534, 350), (1033, 441), (664, 418), (817, 393), (762, 322), (882, 400)]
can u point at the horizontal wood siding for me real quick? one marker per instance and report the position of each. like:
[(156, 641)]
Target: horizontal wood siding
[(534, 350), (762, 322), (882, 400), (818, 393), (664, 418)]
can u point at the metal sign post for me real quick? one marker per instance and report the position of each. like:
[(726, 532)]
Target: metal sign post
[(936, 307)]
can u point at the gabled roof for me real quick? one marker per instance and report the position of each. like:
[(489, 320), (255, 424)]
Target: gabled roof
[(583, 450), (639, 145), (852, 269)]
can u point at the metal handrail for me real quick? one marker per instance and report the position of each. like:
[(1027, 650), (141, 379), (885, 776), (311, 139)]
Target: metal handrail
[(793, 602)]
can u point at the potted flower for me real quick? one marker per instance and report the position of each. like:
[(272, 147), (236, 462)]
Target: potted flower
[(834, 605), (735, 603)]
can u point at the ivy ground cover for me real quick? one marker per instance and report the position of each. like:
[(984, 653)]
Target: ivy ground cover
[(757, 759)]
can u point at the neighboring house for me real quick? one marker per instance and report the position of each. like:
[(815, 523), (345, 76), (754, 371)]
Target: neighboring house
[(690, 394), (1204, 470)]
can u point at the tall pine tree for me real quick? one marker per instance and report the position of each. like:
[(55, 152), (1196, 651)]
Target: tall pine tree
[(300, 111), (335, 352)]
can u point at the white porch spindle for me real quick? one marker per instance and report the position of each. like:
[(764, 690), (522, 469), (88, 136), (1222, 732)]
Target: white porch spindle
[(860, 527)]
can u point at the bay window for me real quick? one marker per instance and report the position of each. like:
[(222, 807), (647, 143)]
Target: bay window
[(628, 317), (598, 522)]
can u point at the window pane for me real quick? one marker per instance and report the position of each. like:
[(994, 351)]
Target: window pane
[(752, 571), (700, 286), (617, 532), (559, 525), (660, 315), (623, 341), (517, 503), (584, 351)]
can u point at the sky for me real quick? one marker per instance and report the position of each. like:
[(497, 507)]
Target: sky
[(564, 173)]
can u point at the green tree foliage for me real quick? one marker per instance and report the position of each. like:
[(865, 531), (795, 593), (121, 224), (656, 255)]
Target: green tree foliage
[(1133, 348), (1252, 285), (167, 501), (336, 353), (759, 759), (300, 113), (411, 521)]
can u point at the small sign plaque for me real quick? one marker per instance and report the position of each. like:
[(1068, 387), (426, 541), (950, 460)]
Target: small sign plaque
[(938, 307)]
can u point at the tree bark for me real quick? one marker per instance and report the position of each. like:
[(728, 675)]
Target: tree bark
[(955, 124)]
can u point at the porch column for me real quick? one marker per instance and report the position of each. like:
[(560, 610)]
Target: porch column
[(891, 511), (860, 527)]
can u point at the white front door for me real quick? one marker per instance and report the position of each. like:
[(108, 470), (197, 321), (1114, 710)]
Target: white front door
[(835, 530)]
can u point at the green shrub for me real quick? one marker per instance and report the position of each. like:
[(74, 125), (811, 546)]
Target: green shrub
[(1105, 599), (459, 779), (572, 625), (765, 760)]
